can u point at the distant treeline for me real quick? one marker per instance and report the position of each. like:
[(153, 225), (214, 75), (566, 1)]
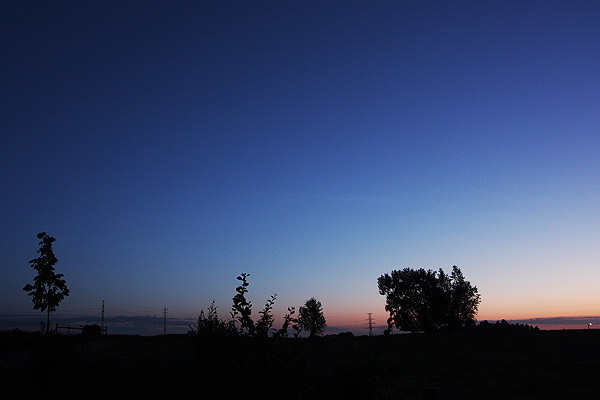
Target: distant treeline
[(504, 326)]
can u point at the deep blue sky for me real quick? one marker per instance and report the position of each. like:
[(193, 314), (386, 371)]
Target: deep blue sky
[(170, 146)]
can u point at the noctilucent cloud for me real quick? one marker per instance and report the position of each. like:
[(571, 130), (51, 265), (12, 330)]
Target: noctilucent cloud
[(169, 147)]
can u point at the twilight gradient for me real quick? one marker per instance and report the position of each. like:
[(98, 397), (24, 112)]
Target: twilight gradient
[(171, 146)]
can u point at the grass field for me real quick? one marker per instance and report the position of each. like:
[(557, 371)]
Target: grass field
[(533, 365)]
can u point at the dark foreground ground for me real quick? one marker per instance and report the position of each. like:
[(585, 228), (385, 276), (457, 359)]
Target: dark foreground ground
[(533, 365)]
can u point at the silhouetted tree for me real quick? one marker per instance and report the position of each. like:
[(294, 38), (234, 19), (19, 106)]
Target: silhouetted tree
[(425, 300), (463, 299), (311, 317), (48, 288)]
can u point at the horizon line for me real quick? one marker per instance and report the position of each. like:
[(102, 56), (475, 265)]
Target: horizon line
[(148, 325)]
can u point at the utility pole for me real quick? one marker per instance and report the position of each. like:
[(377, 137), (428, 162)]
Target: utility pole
[(165, 320), (102, 318), (370, 324)]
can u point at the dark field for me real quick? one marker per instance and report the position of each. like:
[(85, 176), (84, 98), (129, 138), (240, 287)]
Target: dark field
[(534, 365)]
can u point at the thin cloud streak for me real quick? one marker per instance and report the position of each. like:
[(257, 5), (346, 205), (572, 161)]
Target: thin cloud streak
[(316, 199), (552, 323)]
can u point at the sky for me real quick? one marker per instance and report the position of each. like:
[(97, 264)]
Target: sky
[(171, 146)]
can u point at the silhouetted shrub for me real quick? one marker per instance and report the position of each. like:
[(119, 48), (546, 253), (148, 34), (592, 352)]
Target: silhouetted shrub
[(91, 331), (283, 332), (265, 322), (211, 325), (241, 310)]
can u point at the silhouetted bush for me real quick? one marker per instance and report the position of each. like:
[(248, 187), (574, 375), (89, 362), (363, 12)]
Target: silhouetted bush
[(283, 332), (211, 325), (91, 331), (241, 310), (265, 322)]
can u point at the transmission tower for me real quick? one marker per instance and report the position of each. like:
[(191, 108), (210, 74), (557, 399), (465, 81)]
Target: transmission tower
[(370, 322), (165, 320), (102, 318)]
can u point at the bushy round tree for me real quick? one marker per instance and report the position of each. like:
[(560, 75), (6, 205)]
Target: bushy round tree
[(311, 318), (425, 300)]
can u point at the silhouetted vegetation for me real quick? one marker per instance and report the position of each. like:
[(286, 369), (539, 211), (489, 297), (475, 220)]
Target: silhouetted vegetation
[(311, 317), (484, 361), (210, 324), (505, 327), (241, 310), (265, 322), (283, 332), (48, 288), (425, 300), (241, 323), (91, 331)]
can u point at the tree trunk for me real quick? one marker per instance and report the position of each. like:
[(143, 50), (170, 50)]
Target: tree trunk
[(48, 322)]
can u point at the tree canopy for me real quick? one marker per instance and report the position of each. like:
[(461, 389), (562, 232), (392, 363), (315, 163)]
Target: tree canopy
[(311, 317), (49, 288), (425, 300)]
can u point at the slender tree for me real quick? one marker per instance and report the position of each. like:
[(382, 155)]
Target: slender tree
[(311, 317), (48, 288)]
